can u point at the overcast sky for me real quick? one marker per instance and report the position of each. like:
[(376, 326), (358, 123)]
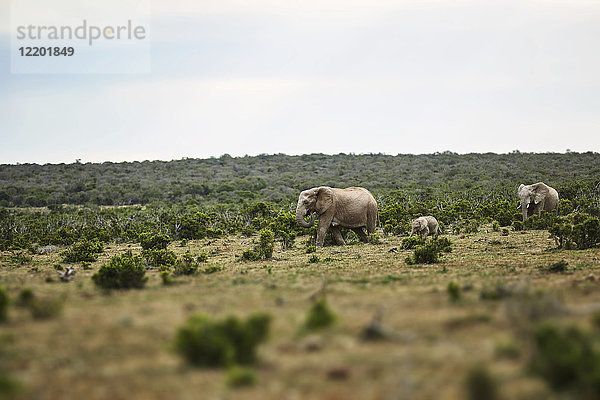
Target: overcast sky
[(294, 77)]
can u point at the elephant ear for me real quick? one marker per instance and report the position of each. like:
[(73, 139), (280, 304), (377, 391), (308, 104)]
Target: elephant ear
[(324, 199), (540, 191), (521, 186)]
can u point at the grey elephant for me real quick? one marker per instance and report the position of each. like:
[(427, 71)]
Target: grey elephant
[(536, 198), (353, 208), (425, 226)]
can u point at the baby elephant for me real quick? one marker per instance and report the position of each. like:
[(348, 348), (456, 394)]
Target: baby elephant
[(425, 226)]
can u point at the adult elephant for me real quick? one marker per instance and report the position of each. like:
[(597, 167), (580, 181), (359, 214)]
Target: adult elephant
[(537, 198), (353, 208)]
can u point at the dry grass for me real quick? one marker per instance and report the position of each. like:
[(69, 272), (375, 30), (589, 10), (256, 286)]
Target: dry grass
[(119, 345)]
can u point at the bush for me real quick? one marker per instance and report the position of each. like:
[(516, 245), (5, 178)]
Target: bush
[(264, 249), (314, 259), (211, 269), (239, 376), (577, 231), (84, 251), (443, 244), (159, 257), (166, 277), (471, 226), (46, 308), (544, 221), (480, 384), (265, 245), (517, 225), (319, 316), (310, 249), (567, 359), (412, 242), (122, 272), (25, 297), (154, 241), (4, 302), (426, 254), (454, 291), (496, 226), (204, 342), (560, 266), (186, 265)]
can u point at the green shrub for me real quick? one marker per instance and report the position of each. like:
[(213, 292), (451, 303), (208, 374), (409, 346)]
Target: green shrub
[(205, 342), (567, 358), (154, 241), (471, 226), (264, 249), (20, 258), (559, 266), (425, 254), (544, 221), (443, 244), (239, 377), (122, 272), (480, 384), (577, 231), (412, 242), (496, 226), (159, 257), (374, 238), (211, 269), (310, 249), (186, 265), (265, 245), (251, 255), (84, 251), (25, 297), (454, 291), (508, 349), (165, 276), (314, 259), (46, 308), (497, 292), (319, 315), (4, 302), (517, 225)]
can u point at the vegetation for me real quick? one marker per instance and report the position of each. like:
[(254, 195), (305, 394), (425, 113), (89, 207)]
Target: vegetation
[(429, 251), (319, 315), (567, 358), (4, 302), (121, 272), (264, 249), (500, 282), (205, 342), (84, 251)]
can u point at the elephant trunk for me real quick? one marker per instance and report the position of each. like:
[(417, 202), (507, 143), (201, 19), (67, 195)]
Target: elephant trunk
[(300, 214), (525, 209)]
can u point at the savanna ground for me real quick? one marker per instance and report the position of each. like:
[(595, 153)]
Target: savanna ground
[(119, 345)]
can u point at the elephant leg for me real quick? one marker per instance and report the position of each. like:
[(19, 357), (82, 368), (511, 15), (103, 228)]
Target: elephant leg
[(337, 235), (361, 234), (324, 223), (426, 231)]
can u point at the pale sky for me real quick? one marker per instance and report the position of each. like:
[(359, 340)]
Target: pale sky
[(332, 76)]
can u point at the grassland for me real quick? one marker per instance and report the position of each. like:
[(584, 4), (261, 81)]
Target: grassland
[(119, 345)]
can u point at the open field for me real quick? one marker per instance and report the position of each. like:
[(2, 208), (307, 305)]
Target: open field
[(119, 345)]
